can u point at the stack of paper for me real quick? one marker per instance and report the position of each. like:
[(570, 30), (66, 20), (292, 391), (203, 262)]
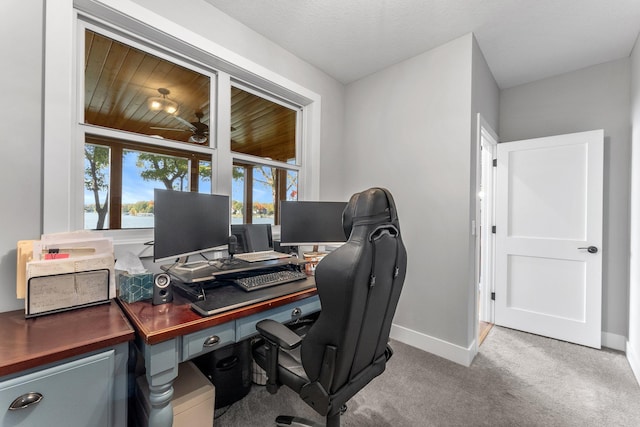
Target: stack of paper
[(53, 258)]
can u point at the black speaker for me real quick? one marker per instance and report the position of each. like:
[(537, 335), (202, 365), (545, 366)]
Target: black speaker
[(162, 291)]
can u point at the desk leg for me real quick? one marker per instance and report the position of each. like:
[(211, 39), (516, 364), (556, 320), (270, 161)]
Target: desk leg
[(161, 413), (161, 364)]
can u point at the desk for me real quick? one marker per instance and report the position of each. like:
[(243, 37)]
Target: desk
[(58, 353), (172, 333)]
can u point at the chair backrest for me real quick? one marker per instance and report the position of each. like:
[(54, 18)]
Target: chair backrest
[(359, 286)]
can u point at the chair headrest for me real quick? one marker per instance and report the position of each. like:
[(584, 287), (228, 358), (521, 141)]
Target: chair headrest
[(370, 207)]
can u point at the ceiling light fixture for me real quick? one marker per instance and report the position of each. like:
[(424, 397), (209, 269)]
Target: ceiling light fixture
[(162, 103), (198, 138)]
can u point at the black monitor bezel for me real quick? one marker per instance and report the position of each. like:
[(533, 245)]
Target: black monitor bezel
[(192, 214), (307, 214), (247, 235)]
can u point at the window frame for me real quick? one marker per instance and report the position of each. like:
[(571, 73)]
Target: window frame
[(63, 155)]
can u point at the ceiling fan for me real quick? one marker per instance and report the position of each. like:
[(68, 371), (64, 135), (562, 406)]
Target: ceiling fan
[(199, 130)]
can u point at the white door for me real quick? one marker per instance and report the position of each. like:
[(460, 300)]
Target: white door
[(549, 236)]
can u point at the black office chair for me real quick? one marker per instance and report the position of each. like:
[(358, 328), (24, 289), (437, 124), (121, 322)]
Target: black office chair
[(359, 286)]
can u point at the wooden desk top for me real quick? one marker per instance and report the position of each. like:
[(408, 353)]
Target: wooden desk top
[(29, 343), (158, 323)]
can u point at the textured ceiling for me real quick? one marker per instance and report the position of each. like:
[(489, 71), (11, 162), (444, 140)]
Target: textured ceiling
[(522, 40)]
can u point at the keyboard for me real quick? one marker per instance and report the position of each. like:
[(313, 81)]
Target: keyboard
[(265, 280), (261, 256)]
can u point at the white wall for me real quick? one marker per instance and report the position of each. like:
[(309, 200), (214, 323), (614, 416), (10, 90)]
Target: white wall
[(21, 43), (633, 343), (593, 98), (408, 128)]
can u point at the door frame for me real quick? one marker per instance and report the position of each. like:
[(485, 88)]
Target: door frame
[(486, 139)]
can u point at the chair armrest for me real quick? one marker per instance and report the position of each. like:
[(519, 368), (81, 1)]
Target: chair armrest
[(278, 334)]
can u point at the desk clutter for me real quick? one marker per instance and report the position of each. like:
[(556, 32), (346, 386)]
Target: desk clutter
[(64, 271)]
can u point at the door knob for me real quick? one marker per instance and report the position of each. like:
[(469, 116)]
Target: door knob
[(591, 249)]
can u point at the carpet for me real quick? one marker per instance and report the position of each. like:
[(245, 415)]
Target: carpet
[(517, 379)]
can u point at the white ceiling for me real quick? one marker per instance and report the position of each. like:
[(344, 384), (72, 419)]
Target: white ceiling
[(522, 40)]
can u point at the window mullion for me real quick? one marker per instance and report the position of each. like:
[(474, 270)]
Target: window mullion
[(248, 194), (281, 192), (115, 188), (194, 174)]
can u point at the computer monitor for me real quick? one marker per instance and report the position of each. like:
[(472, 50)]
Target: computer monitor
[(252, 237), (188, 223), (311, 223)]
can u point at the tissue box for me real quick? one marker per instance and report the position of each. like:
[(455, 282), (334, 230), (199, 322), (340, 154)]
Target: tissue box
[(135, 287)]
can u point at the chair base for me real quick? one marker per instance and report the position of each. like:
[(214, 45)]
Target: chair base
[(287, 421)]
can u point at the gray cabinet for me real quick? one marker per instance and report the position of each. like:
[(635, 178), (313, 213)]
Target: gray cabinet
[(84, 391)]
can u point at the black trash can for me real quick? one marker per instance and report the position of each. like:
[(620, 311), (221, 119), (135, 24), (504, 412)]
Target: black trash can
[(229, 369)]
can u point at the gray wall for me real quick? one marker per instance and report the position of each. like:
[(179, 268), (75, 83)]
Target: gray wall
[(408, 128), (21, 25), (633, 343), (593, 98)]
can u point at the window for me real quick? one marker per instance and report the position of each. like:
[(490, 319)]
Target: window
[(264, 141), (139, 108), (257, 191), (120, 177), (73, 30), (129, 89)]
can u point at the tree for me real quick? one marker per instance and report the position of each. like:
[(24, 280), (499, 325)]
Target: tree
[(172, 171), (96, 178), (237, 206), (269, 177), (166, 169), (204, 170)]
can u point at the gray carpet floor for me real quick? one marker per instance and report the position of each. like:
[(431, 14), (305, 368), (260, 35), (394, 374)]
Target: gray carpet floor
[(517, 379)]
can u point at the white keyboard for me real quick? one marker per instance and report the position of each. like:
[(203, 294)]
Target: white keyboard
[(261, 256)]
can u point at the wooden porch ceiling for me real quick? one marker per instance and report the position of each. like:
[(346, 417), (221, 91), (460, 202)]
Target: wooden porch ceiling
[(119, 80)]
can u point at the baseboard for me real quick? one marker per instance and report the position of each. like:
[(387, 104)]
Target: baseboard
[(633, 356), (444, 349), (464, 356), (613, 341)]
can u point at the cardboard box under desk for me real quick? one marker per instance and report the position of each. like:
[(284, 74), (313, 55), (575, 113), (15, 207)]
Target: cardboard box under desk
[(135, 287), (193, 398)]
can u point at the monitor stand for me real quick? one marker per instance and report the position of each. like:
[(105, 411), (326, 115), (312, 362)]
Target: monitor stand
[(220, 267), (190, 267)]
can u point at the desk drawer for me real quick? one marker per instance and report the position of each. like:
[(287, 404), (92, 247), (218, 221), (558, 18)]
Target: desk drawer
[(246, 326), (76, 393), (207, 340)]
